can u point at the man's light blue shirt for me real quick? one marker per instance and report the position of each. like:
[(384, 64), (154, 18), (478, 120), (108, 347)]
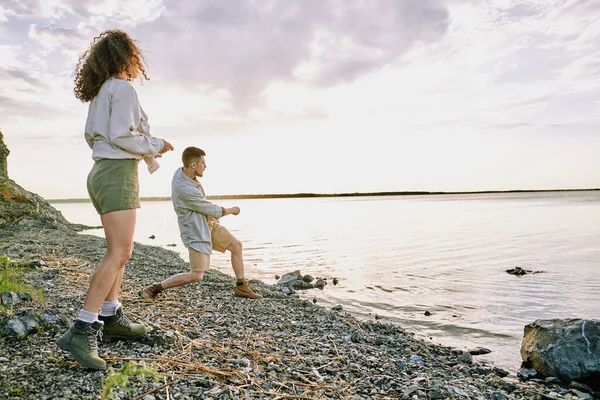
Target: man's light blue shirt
[(191, 207)]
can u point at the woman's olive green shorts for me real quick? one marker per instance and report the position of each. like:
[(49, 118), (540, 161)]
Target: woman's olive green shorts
[(113, 185)]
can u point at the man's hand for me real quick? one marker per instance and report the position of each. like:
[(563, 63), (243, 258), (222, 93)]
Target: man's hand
[(233, 210)]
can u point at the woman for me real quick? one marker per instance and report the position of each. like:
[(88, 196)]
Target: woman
[(118, 133)]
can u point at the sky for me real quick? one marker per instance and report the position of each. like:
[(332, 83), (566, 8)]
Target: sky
[(319, 96)]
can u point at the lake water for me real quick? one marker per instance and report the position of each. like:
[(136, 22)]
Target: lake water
[(399, 256)]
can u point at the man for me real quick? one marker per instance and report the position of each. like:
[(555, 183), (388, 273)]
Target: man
[(200, 229)]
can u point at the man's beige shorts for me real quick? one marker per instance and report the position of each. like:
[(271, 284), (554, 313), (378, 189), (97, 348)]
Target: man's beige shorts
[(221, 239)]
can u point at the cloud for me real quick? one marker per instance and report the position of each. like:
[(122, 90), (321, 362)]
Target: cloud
[(52, 36), (128, 13), (41, 8), (15, 107), (20, 74), (242, 46), (125, 13)]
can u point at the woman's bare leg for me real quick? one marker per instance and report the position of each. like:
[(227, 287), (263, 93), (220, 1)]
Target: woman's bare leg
[(119, 227), (113, 294)]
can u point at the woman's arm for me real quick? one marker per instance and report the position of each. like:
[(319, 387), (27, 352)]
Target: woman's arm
[(125, 116)]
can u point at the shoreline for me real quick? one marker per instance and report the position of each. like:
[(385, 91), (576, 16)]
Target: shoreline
[(356, 194), (208, 344)]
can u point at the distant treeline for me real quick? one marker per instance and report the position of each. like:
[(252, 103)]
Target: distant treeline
[(357, 194)]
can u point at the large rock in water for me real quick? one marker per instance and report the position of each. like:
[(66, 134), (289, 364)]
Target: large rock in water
[(568, 349), (23, 208)]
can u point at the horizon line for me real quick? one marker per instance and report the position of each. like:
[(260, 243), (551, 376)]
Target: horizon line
[(347, 194)]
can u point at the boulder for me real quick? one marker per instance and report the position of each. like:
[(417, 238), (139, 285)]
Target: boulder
[(290, 278), (23, 324), (23, 208), (568, 349), (8, 299), (518, 271), (320, 284)]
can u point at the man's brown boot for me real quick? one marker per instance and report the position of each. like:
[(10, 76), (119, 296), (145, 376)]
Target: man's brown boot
[(150, 292), (243, 290)]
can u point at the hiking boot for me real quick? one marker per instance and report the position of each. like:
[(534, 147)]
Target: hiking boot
[(150, 292), (81, 341), (244, 290), (119, 326)]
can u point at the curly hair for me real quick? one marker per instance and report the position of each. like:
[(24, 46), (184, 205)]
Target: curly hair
[(110, 54)]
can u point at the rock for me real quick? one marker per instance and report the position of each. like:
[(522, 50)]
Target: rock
[(518, 271), (277, 277), (9, 298), (527, 373), (337, 308), (457, 390), (297, 281), (37, 264), (379, 341), (566, 348), (172, 244), (23, 208), (465, 357), (289, 278), (22, 325), (287, 290), (400, 365), (13, 327), (24, 296), (582, 395), (12, 298), (427, 313), (581, 387), (301, 285), (479, 351), (151, 237), (416, 359), (4, 152), (49, 319), (320, 284), (354, 337), (335, 281), (552, 380)]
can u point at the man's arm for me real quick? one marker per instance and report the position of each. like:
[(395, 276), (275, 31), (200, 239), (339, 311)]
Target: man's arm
[(231, 210), (193, 200)]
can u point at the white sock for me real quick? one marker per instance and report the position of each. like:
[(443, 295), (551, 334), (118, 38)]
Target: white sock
[(87, 316), (109, 307)]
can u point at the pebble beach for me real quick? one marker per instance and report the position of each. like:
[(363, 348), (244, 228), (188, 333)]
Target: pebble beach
[(204, 343)]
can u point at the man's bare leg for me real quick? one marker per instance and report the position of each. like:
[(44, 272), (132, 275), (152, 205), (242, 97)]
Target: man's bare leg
[(199, 264), (237, 263), (237, 260), (182, 279)]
